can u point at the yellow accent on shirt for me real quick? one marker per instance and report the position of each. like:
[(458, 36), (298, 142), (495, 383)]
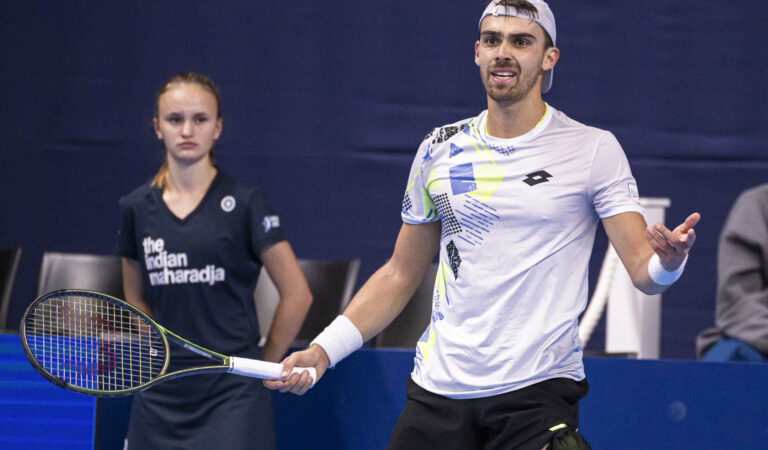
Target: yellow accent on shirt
[(425, 347)]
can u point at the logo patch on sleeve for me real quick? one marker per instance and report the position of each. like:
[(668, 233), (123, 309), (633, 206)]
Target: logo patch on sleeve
[(270, 222), (633, 192)]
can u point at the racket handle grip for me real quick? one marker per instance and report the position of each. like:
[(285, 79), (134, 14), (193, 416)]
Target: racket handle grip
[(311, 370), (263, 369)]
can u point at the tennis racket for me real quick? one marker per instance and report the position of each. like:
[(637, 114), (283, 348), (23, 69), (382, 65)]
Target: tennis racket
[(98, 345)]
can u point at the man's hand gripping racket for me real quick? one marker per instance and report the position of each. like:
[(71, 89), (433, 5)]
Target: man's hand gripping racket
[(314, 358)]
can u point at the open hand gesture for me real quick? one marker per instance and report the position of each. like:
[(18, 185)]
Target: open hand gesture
[(673, 246)]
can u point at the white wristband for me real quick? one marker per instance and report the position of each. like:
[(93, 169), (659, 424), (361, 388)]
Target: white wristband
[(339, 339), (660, 275)]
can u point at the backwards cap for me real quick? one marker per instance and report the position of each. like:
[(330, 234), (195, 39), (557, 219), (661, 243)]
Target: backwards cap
[(545, 19)]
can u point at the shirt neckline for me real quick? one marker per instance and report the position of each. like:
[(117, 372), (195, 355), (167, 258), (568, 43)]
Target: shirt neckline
[(515, 141), (198, 207)]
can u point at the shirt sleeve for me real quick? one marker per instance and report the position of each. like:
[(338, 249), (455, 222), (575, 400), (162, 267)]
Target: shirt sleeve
[(126, 235), (417, 204), (742, 292), (265, 227), (613, 188)]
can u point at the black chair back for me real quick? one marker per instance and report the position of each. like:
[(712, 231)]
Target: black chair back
[(100, 273), (331, 283), (409, 325), (9, 263)]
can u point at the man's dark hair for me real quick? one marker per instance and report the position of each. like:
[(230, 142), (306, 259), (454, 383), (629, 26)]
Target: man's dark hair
[(527, 8)]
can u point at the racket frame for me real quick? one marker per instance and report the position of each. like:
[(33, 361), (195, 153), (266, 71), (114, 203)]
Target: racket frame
[(225, 363)]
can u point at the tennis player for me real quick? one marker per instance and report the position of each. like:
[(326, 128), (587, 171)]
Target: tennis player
[(193, 241), (511, 199)]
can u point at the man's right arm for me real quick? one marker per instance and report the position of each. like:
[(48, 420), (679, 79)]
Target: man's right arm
[(377, 303)]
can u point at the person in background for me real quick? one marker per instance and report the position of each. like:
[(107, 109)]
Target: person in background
[(193, 241), (511, 199), (741, 313)]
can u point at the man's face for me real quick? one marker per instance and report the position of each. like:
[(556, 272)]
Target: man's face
[(512, 58)]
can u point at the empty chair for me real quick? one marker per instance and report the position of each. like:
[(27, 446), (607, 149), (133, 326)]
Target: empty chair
[(100, 273), (410, 324), (9, 262), (331, 284)]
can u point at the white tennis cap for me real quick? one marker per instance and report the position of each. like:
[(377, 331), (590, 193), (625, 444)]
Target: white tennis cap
[(545, 19)]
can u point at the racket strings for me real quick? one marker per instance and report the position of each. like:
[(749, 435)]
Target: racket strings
[(91, 342)]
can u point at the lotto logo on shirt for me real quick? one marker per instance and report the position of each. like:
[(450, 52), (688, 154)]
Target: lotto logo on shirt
[(171, 268)]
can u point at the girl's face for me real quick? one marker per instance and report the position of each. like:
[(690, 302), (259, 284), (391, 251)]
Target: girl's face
[(187, 122)]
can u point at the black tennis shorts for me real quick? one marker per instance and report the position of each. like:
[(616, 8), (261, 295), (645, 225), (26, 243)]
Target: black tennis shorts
[(527, 418)]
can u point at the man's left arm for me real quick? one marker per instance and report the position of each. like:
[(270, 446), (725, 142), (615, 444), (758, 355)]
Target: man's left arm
[(653, 255)]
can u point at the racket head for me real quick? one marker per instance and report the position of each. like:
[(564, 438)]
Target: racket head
[(93, 343)]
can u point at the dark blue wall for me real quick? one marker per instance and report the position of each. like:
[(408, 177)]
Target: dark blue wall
[(326, 102)]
